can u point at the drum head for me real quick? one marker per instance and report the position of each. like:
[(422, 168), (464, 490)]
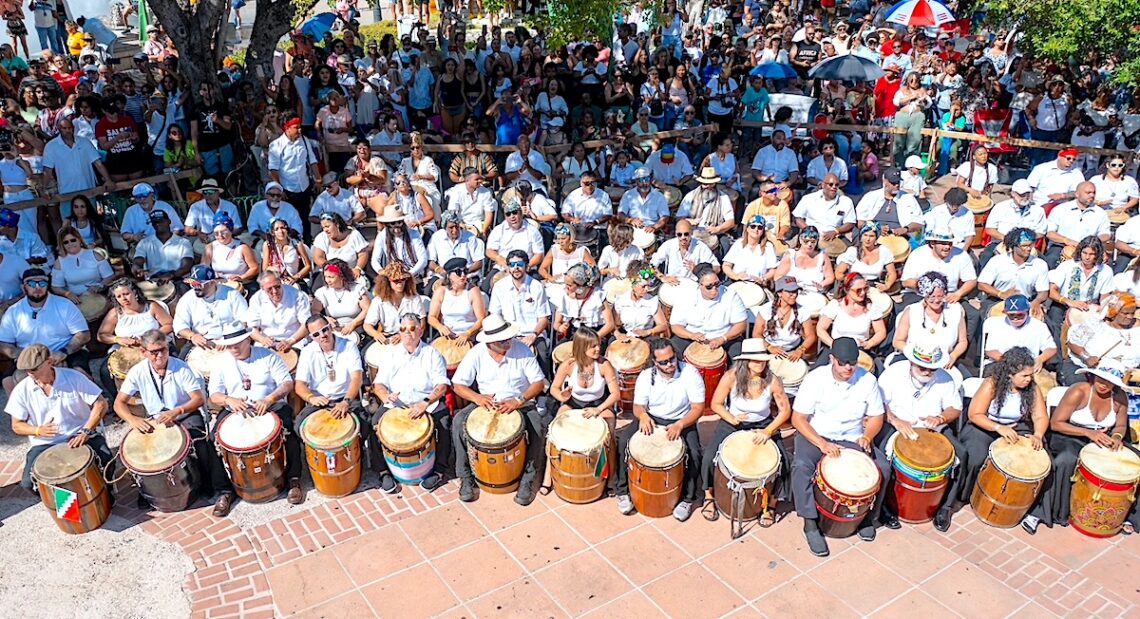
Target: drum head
[(790, 372), (929, 452), (881, 303), (656, 450), (1020, 459), (811, 303), (240, 433), (156, 292), (399, 431), (322, 430), (979, 205), (375, 354), (704, 355), (615, 288), (852, 473), (866, 362), (490, 428), (899, 246), (1121, 466), (92, 305), (202, 360), (1118, 216), (631, 355), (833, 248), (122, 360), (686, 290), (643, 239), (562, 352), (739, 454), (673, 196), (570, 431), (60, 463), (452, 350), (290, 359), (156, 451), (751, 294)]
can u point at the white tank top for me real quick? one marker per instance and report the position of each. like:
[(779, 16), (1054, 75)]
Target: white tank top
[(456, 311), (595, 391), (1084, 418), (758, 409), (810, 277), (227, 260), (943, 331), (1009, 411), (784, 336), (134, 325), (12, 174), (562, 262)]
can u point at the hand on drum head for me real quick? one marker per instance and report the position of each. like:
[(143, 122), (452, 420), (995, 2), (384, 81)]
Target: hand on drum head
[(167, 418), (340, 409), (759, 437), (200, 341), (525, 339), (830, 449), (261, 407), (417, 410), (865, 443), (1104, 440), (670, 279), (485, 401), (1036, 442), (78, 440), (646, 426), (590, 412), (282, 347), (673, 430), (319, 400), (905, 428), (58, 357), (508, 406), (140, 424), (1008, 433)]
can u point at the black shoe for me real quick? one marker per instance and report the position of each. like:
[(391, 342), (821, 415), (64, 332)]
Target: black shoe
[(942, 520), (467, 491), (891, 521), (431, 482), (1030, 523), (815, 540), (867, 532), (525, 496), (388, 483), (142, 503)]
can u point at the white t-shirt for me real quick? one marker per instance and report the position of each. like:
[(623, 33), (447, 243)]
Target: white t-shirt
[(669, 398), (911, 401), (999, 335), (960, 223), (870, 271), (69, 406), (1118, 193), (53, 325), (836, 409), (957, 268), (711, 317), (752, 261)]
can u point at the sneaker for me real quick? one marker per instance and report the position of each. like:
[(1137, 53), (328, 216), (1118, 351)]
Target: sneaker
[(867, 531), (889, 520), (815, 540), (625, 504), (467, 490), (388, 483), (1029, 523), (683, 510), (431, 482), (524, 497)]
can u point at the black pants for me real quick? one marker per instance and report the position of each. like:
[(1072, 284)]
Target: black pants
[(97, 443), (444, 454), (293, 456), (209, 464), (1053, 503), (953, 489), (781, 489), (536, 424), (976, 442), (803, 477), (303, 202), (690, 490)]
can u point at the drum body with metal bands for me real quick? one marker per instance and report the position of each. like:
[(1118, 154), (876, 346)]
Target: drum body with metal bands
[(845, 488), (332, 449), (656, 472), (980, 207), (71, 486), (1009, 482), (922, 469), (253, 451), (743, 476), (160, 462), (453, 352), (711, 363), (408, 444), (496, 446), (629, 359), (684, 292), (118, 364), (576, 447), (1104, 490)]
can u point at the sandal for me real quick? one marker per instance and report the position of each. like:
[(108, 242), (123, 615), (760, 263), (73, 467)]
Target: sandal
[(767, 519), (1128, 529), (709, 510)]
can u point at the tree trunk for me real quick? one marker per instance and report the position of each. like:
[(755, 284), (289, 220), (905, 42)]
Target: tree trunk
[(197, 33), (274, 20)]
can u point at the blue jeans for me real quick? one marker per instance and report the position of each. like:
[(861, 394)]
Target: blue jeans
[(48, 39), (944, 156), (219, 161), (1041, 155)]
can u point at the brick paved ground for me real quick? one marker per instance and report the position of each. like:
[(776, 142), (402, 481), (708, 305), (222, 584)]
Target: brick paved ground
[(417, 555)]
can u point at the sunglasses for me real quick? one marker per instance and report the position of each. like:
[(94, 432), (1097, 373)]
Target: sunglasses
[(860, 289), (319, 332), (275, 195), (156, 352), (711, 286), (36, 283), (684, 234), (1116, 166), (844, 363), (459, 272), (662, 363), (71, 242), (516, 263), (755, 227), (1017, 315), (830, 184), (407, 329)]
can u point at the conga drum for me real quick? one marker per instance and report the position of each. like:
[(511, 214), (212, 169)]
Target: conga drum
[(845, 488), (684, 292), (160, 463), (253, 452), (899, 246), (881, 303), (743, 476), (203, 360), (833, 248), (120, 362), (71, 486), (497, 448), (163, 293), (922, 469), (656, 472), (332, 449), (562, 353), (1009, 482), (408, 444), (810, 303), (615, 288), (791, 373), (673, 197), (629, 359), (453, 352), (373, 358), (290, 358), (646, 241), (238, 286), (752, 295), (576, 447), (980, 207), (1104, 489), (93, 306), (711, 363), (866, 362)]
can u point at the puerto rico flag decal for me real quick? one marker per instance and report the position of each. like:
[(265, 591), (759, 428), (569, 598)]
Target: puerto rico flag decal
[(66, 504)]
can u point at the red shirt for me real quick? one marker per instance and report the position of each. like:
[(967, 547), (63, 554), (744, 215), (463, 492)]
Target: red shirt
[(106, 129), (885, 97)]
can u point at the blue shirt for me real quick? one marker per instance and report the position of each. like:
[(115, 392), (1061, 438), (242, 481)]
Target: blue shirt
[(508, 127)]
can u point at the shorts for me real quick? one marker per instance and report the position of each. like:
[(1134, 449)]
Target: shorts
[(17, 28), (219, 161), (119, 164)]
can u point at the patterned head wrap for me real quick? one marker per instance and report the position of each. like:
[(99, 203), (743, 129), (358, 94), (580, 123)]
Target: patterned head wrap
[(583, 274), (450, 217), (563, 229), (1119, 302), (929, 282), (644, 275), (870, 226)]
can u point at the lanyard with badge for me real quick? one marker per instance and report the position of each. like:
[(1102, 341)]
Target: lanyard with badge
[(158, 387)]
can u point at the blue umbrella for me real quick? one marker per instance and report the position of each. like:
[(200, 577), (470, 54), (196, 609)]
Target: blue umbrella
[(773, 71), (849, 68), (319, 25)]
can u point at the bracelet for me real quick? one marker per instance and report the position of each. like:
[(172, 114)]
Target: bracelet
[(1119, 435), (37, 430)]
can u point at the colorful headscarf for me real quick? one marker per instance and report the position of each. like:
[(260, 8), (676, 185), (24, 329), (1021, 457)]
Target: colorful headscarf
[(870, 226), (1119, 302), (929, 282), (583, 274), (563, 229)]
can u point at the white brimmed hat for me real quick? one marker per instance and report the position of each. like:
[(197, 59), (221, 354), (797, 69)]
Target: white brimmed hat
[(708, 176), (926, 356), (753, 349), (392, 214), (233, 332), (914, 161), (940, 234), (495, 329), (1108, 372)]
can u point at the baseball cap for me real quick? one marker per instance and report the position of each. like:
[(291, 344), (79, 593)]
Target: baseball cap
[(1016, 304), (787, 284), (1021, 186), (202, 273), (845, 350), (159, 215), (142, 190), (893, 176)]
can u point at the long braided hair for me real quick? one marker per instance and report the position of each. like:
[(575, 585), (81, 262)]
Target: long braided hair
[(1013, 361), (773, 322)]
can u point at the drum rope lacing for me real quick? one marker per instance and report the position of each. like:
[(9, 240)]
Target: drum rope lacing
[(739, 496), (852, 504)]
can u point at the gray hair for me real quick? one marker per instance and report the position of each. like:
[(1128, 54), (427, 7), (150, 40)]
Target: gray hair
[(152, 337), (410, 317), (266, 274)]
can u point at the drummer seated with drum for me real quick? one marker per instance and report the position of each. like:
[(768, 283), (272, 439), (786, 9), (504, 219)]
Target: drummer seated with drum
[(644, 207), (54, 405), (1080, 283), (939, 254), (677, 257), (44, 318), (587, 205), (278, 313), (920, 395), (896, 211), (204, 310), (1071, 222), (710, 211), (668, 400), (837, 413), (587, 381), (786, 327), (1018, 211), (521, 300), (638, 313), (172, 393), (774, 208), (255, 381), (830, 212), (1016, 326), (583, 304), (413, 377), (516, 232), (510, 382), (953, 215), (716, 318), (163, 256), (1017, 271)]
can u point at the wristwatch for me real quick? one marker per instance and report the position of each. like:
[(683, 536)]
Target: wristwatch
[(89, 432)]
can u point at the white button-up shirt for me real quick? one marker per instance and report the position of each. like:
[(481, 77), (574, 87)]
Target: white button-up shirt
[(504, 238), (669, 173), (264, 369), (871, 204), (669, 254), (68, 406), (161, 257), (534, 160), (1072, 221), (522, 306), (960, 223), (315, 365), (502, 381), (636, 314), (412, 376), (1046, 179), (473, 208), (649, 209), (723, 206), (137, 219), (669, 398), (53, 324), (170, 391), (1007, 215), (201, 216), (910, 401), (826, 215), (207, 317), (344, 203), (957, 267), (1070, 270), (1029, 278), (260, 217), (291, 159), (836, 408), (779, 164), (589, 208), (279, 322), (712, 317), (468, 246)]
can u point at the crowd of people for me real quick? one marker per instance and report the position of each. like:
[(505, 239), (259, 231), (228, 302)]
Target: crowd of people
[(790, 284)]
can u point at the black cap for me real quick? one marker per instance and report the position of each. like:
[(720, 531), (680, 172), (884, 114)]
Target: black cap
[(33, 272), (845, 350), (159, 215), (893, 175), (455, 264)]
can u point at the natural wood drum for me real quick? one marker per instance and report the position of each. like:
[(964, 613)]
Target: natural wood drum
[(1009, 482), (629, 358), (742, 482), (496, 445), (253, 452), (656, 472), (577, 449), (332, 449), (60, 471)]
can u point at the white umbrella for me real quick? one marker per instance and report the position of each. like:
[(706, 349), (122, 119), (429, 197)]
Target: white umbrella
[(919, 13)]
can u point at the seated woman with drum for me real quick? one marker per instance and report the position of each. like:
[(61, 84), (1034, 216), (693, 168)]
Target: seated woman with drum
[(638, 313), (583, 304), (232, 260), (343, 299), (750, 398), (587, 381), (867, 257), (336, 240), (716, 318), (457, 309), (1078, 284), (787, 328), (286, 255), (851, 314), (933, 322), (78, 270), (1091, 417), (752, 257), (620, 252), (393, 296), (810, 266), (563, 254), (395, 242), (130, 317), (1100, 340)]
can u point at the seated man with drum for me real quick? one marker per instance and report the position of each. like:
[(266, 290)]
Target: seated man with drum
[(173, 394), (521, 300), (44, 318), (772, 205), (1017, 271), (1018, 211), (204, 310), (1088, 424), (253, 381), (955, 216), (939, 254), (717, 318), (1016, 326), (827, 210), (454, 242), (751, 399), (921, 395), (516, 232), (509, 382), (1071, 222), (896, 211), (837, 413), (676, 257), (163, 257), (55, 405), (644, 207), (668, 400), (277, 313), (412, 380)]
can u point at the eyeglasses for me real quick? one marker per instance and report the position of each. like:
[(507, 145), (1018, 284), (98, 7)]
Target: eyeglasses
[(156, 352), (711, 286), (662, 363), (1017, 315), (272, 288), (684, 234), (319, 332), (72, 241), (36, 283), (862, 289), (755, 227), (516, 264), (587, 183), (1068, 157)]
